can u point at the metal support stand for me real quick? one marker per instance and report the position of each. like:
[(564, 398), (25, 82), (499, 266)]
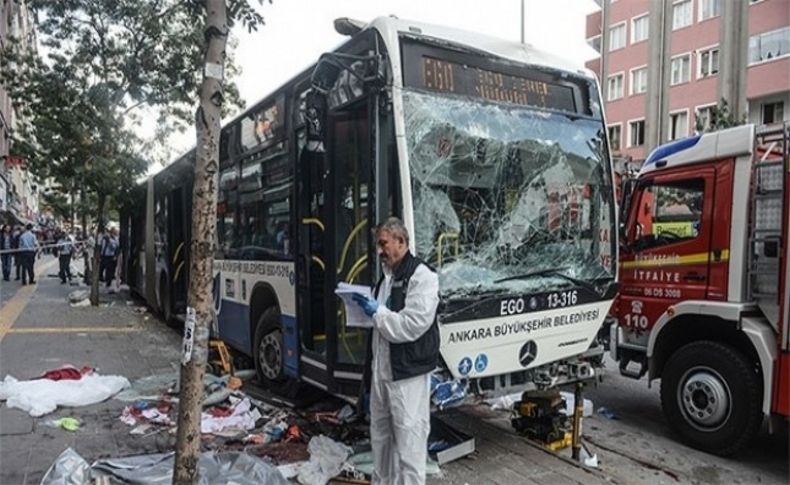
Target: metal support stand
[(578, 409)]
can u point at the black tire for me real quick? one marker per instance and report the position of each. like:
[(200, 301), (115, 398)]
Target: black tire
[(711, 395), (269, 352)]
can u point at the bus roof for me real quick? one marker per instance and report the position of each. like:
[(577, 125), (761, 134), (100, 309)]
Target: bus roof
[(717, 145)]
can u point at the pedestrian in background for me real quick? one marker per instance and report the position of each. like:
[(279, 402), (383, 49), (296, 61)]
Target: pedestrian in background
[(109, 255), (405, 350), (17, 255), (5, 248), (88, 245), (27, 247), (64, 248)]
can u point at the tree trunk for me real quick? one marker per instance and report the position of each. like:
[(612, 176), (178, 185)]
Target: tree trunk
[(97, 251), (199, 298)]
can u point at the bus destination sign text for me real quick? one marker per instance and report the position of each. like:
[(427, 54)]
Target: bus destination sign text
[(450, 77)]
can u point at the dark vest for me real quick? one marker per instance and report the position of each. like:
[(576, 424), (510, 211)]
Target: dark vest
[(408, 359)]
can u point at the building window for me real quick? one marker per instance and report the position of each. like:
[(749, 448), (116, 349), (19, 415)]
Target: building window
[(639, 80), (639, 29), (678, 125), (617, 37), (595, 43), (708, 62), (773, 112), (709, 9), (615, 135), (769, 45), (705, 117), (636, 133), (615, 87), (681, 14), (681, 69)]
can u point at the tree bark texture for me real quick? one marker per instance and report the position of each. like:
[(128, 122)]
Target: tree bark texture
[(96, 251), (199, 298)]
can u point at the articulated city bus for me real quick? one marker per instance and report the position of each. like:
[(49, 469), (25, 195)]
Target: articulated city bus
[(493, 153)]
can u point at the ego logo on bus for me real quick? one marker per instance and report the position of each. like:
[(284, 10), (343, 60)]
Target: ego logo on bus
[(514, 306)]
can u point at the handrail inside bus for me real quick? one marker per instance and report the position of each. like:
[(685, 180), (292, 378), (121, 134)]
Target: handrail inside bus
[(350, 238), (178, 272), (178, 250), (313, 220), (357, 268), (318, 261), (439, 247)]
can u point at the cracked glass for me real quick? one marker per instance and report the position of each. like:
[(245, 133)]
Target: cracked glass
[(502, 192)]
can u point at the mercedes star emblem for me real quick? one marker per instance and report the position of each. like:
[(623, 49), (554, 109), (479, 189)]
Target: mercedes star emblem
[(528, 353)]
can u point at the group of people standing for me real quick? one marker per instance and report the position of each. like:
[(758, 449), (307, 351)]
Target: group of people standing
[(19, 246)]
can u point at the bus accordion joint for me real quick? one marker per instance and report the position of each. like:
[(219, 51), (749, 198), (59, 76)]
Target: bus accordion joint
[(313, 220), (347, 244), (440, 248)]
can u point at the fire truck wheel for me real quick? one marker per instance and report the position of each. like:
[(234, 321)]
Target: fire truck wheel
[(268, 350), (711, 395)]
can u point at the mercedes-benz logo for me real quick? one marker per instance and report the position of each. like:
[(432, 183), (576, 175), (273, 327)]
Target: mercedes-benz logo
[(528, 353)]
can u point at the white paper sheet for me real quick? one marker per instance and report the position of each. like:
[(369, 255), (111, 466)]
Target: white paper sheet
[(355, 317)]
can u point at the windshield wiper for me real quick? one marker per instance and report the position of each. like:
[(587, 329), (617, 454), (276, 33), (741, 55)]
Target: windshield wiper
[(558, 272)]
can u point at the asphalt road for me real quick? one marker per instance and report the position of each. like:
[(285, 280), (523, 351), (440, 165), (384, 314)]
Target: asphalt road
[(640, 448)]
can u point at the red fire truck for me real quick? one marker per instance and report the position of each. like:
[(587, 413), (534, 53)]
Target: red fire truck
[(704, 290)]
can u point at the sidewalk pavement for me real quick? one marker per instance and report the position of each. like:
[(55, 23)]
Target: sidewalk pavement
[(48, 333)]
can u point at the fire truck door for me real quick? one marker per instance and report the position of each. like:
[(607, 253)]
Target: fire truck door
[(665, 258)]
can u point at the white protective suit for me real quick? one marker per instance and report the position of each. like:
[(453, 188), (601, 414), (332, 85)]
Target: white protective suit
[(400, 410)]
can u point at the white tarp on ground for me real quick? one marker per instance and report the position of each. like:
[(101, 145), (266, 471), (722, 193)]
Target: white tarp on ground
[(42, 396)]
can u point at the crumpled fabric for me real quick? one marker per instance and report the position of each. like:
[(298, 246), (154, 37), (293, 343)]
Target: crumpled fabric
[(242, 417), (69, 469), (42, 396), (326, 461)]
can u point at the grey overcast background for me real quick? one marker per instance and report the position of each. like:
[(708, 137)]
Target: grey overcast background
[(297, 32)]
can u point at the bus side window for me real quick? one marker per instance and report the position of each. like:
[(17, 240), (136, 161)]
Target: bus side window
[(227, 224)]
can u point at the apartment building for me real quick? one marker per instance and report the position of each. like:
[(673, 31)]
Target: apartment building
[(18, 190), (665, 63)]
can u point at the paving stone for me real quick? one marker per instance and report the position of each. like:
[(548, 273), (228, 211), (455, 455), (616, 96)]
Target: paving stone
[(14, 422)]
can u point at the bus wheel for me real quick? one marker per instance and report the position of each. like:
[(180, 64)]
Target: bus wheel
[(269, 349), (711, 395)]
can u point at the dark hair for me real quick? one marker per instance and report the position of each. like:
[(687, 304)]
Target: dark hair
[(29, 227)]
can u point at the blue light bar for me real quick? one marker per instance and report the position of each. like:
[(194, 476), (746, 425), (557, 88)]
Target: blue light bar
[(671, 148)]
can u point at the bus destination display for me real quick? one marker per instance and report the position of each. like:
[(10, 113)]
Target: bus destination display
[(450, 77)]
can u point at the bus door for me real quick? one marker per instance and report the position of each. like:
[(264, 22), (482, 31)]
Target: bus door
[(334, 245), (178, 250)]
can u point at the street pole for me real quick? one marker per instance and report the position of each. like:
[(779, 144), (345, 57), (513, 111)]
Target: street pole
[(204, 225), (522, 21)]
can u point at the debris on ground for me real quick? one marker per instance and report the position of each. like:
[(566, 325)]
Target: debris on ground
[(326, 460), (606, 413), (77, 297), (67, 423), (446, 391), (215, 469), (38, 397)]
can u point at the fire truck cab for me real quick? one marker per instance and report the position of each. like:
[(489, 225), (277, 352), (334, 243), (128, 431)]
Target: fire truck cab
[(704, 291)]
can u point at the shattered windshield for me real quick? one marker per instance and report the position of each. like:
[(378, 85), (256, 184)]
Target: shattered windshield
[(502, 194)]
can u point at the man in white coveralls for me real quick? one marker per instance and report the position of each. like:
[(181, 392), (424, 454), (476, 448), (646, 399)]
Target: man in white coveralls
[(405, 345)]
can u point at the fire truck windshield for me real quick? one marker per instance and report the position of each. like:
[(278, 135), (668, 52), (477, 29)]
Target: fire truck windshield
[(501, 190)]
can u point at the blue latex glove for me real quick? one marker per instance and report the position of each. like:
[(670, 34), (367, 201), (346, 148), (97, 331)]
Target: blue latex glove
[(369, 305)]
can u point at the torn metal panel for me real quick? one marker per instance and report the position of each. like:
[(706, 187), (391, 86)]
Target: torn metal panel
[(501, 191)]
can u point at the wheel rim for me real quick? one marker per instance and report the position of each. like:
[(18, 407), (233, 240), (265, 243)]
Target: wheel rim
[(704, 399), (270, 355)]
